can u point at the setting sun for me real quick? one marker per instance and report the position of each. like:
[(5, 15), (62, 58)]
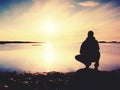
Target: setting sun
[(49, 27)]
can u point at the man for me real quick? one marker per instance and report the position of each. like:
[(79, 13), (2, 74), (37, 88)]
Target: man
[(89, 51)]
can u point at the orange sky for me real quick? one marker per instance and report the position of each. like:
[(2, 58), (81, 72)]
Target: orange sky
[(60, 21)]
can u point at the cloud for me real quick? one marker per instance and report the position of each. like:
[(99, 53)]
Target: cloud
[(88, 3), (72, 6)]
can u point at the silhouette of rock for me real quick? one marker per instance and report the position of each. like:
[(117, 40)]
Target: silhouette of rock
[(83, 79), (89, 79)]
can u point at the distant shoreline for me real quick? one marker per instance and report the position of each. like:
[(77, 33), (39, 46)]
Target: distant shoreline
[(17, 42), (108, 42)]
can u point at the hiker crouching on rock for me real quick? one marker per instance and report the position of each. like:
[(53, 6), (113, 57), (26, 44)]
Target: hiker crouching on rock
[(89, 51)]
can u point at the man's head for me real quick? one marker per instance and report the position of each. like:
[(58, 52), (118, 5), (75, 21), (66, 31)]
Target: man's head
[(90, 33)]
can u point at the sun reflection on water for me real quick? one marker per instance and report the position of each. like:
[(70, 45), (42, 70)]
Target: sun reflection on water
[(49, 54), (53, 57)]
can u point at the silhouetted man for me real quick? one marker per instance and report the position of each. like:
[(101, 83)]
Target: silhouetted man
[(89, 51)]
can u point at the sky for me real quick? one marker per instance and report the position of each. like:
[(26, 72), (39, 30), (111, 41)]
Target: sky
[(59, 20)]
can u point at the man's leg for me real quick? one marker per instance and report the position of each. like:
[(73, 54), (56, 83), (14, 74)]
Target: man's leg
[(87, 64), (83, 60), (79, 58), (96, 65), (97, 61)]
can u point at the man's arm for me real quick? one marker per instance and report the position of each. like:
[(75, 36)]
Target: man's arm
[(97, 45), (82, 48)]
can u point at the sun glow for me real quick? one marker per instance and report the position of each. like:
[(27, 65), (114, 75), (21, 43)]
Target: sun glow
[(49, 27), (51, 20)]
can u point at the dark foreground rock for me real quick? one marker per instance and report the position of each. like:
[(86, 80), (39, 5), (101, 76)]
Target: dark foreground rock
[(95, 80), (80, 80)]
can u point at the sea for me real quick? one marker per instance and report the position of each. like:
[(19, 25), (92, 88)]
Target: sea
[(53, 56)]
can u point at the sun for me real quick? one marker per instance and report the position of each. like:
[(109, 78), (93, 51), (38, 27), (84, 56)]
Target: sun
[(49, 27)]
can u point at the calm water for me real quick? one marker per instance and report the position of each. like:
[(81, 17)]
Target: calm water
[(45, 57)]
